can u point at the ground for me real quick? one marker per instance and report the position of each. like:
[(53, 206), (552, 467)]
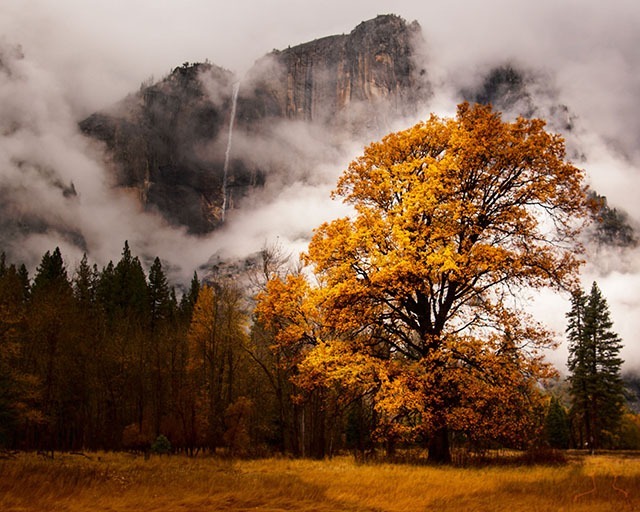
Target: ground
[(123, 482)]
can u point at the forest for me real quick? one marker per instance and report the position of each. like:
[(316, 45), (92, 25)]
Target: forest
[(398, 328)]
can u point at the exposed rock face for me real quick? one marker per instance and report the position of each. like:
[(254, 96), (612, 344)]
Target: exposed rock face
[(521, 92), (158, 141), (505, 87), (317, 81), (168, 141)]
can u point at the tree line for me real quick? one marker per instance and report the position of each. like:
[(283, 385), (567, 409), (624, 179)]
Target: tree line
[(106, 359), (400, 326), (111, 359)]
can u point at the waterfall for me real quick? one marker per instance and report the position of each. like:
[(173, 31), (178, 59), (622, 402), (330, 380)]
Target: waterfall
[(227, 153)]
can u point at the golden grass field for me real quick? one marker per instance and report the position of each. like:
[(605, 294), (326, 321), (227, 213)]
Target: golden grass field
[(123, 482)]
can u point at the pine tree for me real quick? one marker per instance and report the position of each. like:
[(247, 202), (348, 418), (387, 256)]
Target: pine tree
[(15, 384), (105, 290), (594, 365), (159, 294), (190, 297), (556, 425), (23, 273), (124, 296), (131, 290), (162, 313), (84, 283), (51, 347), (51, 273), (88, 356)]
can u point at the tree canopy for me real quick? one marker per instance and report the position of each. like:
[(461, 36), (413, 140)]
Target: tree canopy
[(403, 322), (418, 292)]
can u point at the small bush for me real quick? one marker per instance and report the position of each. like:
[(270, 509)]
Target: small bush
[(161, 446)]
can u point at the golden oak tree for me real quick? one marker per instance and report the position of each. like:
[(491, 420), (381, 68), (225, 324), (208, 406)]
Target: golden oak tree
[(289, 319), (420, 289), (215, 360)]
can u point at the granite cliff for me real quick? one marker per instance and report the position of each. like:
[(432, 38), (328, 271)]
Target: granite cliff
[(168, 141), (318, 81)]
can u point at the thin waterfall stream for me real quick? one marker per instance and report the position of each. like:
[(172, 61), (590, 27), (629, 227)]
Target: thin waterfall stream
[(227, 153)]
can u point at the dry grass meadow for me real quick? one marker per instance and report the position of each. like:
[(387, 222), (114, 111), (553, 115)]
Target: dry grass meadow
[(122, 482)]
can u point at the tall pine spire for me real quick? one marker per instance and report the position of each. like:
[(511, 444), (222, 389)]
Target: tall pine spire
[(594, 365)]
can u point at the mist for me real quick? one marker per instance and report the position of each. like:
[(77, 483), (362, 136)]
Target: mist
[(61, 61)]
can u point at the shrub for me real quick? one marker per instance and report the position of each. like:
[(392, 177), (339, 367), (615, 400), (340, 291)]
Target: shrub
[(161, 445)]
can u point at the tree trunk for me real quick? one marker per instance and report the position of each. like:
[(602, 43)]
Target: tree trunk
[(439, 451)]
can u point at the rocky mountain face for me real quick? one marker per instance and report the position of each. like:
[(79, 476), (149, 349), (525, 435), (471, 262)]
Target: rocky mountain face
[(198, 142), (157, 140), (319, 81), (169, 141)]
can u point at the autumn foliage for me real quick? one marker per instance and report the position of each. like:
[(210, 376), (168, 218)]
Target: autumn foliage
[(404, 322), (415, 303)]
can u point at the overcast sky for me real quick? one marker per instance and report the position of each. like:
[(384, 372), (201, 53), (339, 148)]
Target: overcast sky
[(102, 49), (87, 54), (106, 47)]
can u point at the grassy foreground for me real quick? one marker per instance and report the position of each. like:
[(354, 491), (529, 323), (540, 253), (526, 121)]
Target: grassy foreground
[(120, 482)]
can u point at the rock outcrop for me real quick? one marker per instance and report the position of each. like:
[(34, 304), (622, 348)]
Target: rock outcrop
[(168, 141), (319, 81), (157, 141), (517, 91)]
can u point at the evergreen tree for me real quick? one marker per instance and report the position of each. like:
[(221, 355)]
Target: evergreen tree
[(123, 295), (160, 302), (131, 293), (51, 273), (162, 314), (594, 365), (51, 348), (88, 357), (105, 290), (190, 297), (15, 384), (130, 329), (23, 273), (85, 283), (556, 425)]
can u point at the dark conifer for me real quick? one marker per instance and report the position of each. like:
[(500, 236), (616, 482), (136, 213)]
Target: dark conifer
[(23, 274), (52, 273), (159, 294), (189, 299), (84, 283), (594, 365), (556, 425)]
